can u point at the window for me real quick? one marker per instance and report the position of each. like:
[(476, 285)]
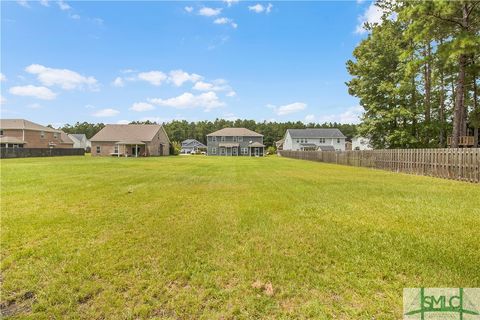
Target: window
[(115, 150), (338, 140), (214, 139), (98, 149), (222, 151), (234, 151), (1, 132), (55, 135), (209, 139), (214, 150), (222, 138), (298, 141), (244, 151), (42, 134), (240, 139), (322, 140), (235, 139)]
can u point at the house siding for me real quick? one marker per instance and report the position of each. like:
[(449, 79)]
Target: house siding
[(33, 138), (294, 144), (230, 139)]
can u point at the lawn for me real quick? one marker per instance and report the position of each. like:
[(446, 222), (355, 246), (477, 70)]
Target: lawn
[(227, 238)]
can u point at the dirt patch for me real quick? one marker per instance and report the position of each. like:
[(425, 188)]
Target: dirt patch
[(267, 288), (21, 304)]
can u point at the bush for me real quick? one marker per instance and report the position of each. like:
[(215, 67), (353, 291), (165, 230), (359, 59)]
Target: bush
[(271, 150), (175, 148)]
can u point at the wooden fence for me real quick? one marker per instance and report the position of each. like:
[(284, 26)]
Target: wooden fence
[(6, 153), (458, 164)]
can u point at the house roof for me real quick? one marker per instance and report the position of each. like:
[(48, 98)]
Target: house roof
[(315, 133), (280, 142), (24, 124), (11, 140), (239, 132), (127, 132), (256, 144), (192, 143), (78, 136), (326, 148), (65, 138)]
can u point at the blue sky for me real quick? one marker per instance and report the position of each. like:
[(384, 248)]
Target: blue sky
[(113, 62)]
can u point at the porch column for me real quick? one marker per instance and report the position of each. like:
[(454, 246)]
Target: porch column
[(136, 151)]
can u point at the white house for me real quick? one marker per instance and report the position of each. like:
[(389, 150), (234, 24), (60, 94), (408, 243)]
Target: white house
[(361, 143), (314, 139), (80, 140)]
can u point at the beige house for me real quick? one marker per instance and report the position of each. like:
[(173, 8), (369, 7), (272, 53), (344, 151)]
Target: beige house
[(21, 133), (131, 140)]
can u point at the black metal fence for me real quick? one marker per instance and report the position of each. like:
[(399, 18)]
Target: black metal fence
[(6, 153)]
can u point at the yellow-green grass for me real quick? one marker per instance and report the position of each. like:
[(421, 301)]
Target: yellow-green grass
[(205, 237)]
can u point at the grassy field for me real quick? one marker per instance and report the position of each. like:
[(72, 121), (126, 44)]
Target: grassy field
[(227, 238)]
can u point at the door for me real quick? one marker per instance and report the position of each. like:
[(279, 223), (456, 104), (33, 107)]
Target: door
[(135, 153), (257, 152)]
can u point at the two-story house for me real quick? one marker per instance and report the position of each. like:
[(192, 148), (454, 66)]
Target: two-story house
[(235, 142), (20, 133), (314, 139)]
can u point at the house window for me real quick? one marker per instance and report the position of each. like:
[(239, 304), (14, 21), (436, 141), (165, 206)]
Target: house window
[(222, 151), (222, 138), (42, 134), (322, 140), (1, 132), (98, 149), (234, 139), (298, 141), (209, 139), (55, 135), (338, 140), (214, 150), (115, 150), (214, 139), (240, 139), (244, 151)]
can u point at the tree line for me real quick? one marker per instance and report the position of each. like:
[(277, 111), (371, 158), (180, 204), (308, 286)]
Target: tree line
[(417, 74), (179, 130)]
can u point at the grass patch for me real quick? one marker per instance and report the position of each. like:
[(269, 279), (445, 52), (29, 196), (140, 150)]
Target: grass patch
[(211, 238)]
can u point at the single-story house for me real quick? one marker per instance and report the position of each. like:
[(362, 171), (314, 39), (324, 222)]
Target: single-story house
[(80, 140), (132, 140), (192, 146), (235, 142), (314, 139), (21, 133)]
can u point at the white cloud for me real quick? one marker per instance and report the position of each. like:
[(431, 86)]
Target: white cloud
[(66, 79), (89, 106), (230, 2), (230, 116), (3, 77), (154, 77), (63, 5), (34, 106), (215, 85), (178, 77), (189, 9), (44, 3), (259, 8), (350, 115), (288, 109), (123, 121), (118, 82), (43, 93), (109, 112), (153, 119), (141, 106), (231, 94), (75, 16), (372, 14), (23, 3), (209, 12), (2, 100), (207, 101), (309, 118), (224, 20)]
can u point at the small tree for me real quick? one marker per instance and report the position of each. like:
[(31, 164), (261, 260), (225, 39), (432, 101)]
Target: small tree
[(175, 148), (271, 150)]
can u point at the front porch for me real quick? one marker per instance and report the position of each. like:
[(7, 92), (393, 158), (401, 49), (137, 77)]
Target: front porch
[(255, 149)]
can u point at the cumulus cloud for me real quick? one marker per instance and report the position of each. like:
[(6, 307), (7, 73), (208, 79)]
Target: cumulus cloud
[(288, 108), (154, 77), (109, 112), (178, 77), (63, 5), (43, 93), (207, 101), (209, 12), (118, 82), (189, 9), (224, 20), (44, 3), (259, 8), (215, 85), (64, 78), (23, 3), (2, 77), (141, 106), (230, 2), (372, 15), (309, 118)]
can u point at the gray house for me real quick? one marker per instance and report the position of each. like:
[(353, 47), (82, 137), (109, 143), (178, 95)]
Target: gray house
[(80, 141), (235, 142), (192, 145), (314, 139)]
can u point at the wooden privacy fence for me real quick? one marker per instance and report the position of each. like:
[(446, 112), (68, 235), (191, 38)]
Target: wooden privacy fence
[(6, 153), (458, 164)]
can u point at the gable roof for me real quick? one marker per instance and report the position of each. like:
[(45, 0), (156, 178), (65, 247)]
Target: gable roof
[(24, 124), (78, 136), (65, 138), (315, 133), (192, 143), (124, 132), (239, 132)]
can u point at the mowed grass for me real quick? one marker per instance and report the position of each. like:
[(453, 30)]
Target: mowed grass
[(227, 238)]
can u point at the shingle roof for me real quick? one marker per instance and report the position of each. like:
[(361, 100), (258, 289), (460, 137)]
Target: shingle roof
[(315, 133), (192, 143), (24, 124), (239, 132), (326, 148), (65, 138), (127, 132), (78, 136)]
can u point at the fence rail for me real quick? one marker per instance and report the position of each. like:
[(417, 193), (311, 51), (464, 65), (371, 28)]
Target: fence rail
[(457, 164), (39, 152)]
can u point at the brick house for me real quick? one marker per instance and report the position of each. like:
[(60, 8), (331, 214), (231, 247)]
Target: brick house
[(235, 142), (131, 140), (20, 133)]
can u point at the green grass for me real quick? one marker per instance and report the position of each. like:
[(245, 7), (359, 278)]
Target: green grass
[(204, 237)]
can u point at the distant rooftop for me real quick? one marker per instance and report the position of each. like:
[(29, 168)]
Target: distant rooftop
[(24, 124), (127, 132), (315, 133), (239, 132)]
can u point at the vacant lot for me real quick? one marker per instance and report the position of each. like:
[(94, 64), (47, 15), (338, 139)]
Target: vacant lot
[(221, 238)]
